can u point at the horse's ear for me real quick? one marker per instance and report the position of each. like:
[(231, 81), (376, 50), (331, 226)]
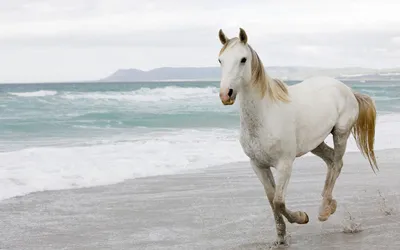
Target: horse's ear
[(243, 36), (222, 37)]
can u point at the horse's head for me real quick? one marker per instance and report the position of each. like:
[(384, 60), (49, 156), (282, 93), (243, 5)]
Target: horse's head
[(235, 59)]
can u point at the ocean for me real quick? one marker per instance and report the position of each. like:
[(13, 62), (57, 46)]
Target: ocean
[(72, 135)]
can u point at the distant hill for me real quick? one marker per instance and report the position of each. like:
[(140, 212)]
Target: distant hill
[(160, 74), (284, 73)]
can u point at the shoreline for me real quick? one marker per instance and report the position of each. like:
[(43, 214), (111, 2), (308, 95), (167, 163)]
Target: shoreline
[(188, 171), (221, 207)]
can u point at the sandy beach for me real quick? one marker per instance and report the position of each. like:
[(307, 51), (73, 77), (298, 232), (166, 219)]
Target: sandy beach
[(222, 207)]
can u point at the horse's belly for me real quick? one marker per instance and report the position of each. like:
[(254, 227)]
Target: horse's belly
[(314, 131), (309, 142)]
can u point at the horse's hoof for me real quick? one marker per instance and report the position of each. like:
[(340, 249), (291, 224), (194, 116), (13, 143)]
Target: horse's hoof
[(333, 206), (306, 220), (323, 217), (327, 211), (280, 243), (300, 218), (303, 218)]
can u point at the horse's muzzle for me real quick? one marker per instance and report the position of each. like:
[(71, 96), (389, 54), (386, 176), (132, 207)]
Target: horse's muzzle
[(227, 96)]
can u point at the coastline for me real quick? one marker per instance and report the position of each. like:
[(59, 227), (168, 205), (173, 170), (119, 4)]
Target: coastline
[(221, 207)]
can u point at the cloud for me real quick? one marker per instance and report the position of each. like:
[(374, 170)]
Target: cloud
[(40, 35)]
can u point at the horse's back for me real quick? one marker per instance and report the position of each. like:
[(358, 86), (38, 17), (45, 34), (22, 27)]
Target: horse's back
[(323, 90), (319, 84)]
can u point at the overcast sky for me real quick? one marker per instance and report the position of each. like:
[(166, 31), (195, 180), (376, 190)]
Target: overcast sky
[(67, 40)]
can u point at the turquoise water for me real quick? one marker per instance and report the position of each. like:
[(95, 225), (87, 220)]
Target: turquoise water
[(76, 110), (87, 109), (83, 134)]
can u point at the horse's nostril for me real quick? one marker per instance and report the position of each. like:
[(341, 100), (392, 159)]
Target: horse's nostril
[(230, 92)]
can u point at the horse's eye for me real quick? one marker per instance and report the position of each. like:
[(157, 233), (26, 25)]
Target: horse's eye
[(243, 60), (219, 61)]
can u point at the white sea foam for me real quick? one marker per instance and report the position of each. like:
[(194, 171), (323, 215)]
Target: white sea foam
[(38, 169), (156, 153), (170, 93), (39, 93)]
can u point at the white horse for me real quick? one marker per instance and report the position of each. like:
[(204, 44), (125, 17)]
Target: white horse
[(279, 123)]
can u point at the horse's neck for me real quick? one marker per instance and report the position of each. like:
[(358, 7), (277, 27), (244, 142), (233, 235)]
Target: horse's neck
[(252, 109), (256, 111)]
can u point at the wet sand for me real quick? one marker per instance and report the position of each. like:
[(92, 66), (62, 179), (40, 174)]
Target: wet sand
[(222, 207)]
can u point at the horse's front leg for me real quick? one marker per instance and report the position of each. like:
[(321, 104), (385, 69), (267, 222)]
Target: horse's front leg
[(284, 171), (264, 174)]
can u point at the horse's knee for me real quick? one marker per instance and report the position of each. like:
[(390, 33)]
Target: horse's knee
[(279, 205)]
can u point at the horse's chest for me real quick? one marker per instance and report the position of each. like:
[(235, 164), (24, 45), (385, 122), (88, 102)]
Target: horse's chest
[(258, 148)]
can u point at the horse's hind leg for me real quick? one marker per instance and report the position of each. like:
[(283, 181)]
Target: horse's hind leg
[(328, 203), (326, 153)]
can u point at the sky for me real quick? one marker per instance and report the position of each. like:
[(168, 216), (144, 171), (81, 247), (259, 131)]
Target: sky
[(74, 40)]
